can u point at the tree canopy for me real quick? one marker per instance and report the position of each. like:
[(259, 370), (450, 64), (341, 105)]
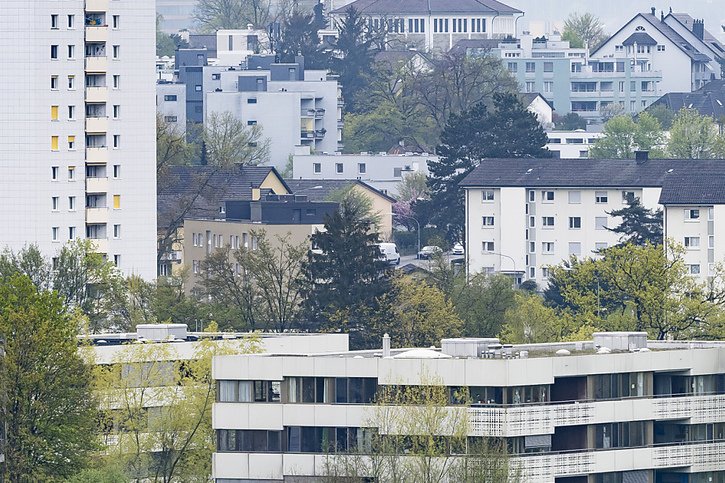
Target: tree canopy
[(640, 225), (623, 136), (583, 29), (229, 141), (213, 15)]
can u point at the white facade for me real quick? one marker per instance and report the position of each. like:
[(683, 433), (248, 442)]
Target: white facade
[(291, 113), (685, 62), (382, 171), (77, 128), (571, 144), (700, 229), (234, 46), (171, 104), (562, 416)]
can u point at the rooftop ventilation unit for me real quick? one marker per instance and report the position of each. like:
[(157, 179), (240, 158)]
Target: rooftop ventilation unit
[(621, 341), (472, 347)]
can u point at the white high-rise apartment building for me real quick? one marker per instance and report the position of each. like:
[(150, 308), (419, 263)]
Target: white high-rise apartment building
[(77, 128)]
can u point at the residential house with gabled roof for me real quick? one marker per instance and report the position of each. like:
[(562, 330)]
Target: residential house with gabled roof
[(687, 55), (435, 24), (708, 100)]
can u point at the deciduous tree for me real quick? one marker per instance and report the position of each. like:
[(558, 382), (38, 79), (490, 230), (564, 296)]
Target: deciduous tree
[(213, 15), (623, 136), (693, 136), (583, 30), (228, 141)]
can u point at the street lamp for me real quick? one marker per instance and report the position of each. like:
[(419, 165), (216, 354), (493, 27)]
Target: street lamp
[(416, 222), (512, 261)]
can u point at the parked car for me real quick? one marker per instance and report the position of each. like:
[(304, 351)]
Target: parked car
[(429, 252), (389, 253), (458, 249)]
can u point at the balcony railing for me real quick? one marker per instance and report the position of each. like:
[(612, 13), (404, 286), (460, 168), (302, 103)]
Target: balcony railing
[(698, 409), (524, 420)]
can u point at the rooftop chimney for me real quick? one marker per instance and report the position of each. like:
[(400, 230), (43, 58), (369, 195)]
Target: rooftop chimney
[(698, 29), (386, 345), (641, 156), (653, 9)]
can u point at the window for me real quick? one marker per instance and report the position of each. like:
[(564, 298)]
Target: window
[(71, 173), (513, 67), (600, 223), (619, 435), (54, 233), (575, 197), (547, 247), (532, 247), (660, 48), (117, 260), (711, 241), (71, 113), (116, 170), (116, 21), (116, 231), (692, 242), (71, 143), (71, 51), (195, 266), (54, 82), (575, 248), (548, 86), (54, 21), (116, 51), (487, 221), (251, 122), (53, 113), (397, 172), (71, 21), (361, 168), (601, 197), (252, 100), (71, 82), (532, 221), (710, 214), (170, 98), (628, 196), (575, 222), (316, 167), (530, 67), (116, 141), (488, 246), (54, 173), (547, 196), (54, 52), (532, 196), (547, 221), (116, 202), (54, 143), (116, 111), (71, 232), (170, 118), (692, 214), (116, 81), (338, 167), (487, 195), (71, 203), (55, 203), (530, 86), (197, 88)]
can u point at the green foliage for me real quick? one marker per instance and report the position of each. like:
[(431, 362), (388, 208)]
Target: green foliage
[(213, 15), (583, 30), (108, 473), (228, 141), (344, 276), (570, 122), (482, 303), (46, 402), (506, 131), (529, 321), (623, 136), (663, 114), (693, 136), (640, 225), (172, 149), (299, 37)]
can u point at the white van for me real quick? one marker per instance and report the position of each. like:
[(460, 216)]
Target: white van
[(389, 253)]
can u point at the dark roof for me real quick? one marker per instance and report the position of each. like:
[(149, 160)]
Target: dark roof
[(709, 100), (529, 97), (694, 188), (399, 7), (395, 56), (182, 184), (328, 187), (708, 39), (464, 45), (668, 32), (593, 173), (639, 38)]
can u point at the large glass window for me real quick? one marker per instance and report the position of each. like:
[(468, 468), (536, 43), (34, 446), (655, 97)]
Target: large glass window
[(527, 394), (248, 391), (249, 440), (309, 439), (619, 435), (613, 386)]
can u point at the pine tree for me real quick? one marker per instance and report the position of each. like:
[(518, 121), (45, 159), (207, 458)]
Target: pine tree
[(640, 226), (299, 37), (507, 131), (345, 277)]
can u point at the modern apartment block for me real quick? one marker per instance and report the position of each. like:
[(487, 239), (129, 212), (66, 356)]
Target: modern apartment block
[(77, 128), (617, 408), (435, 24), (382, 171), (523, 216), (571, 144), (171, 104), (675, 44), (570, 80)]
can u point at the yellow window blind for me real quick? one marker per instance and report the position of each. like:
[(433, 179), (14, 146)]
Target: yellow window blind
[(54, 143), (53, 113), (116, 202)]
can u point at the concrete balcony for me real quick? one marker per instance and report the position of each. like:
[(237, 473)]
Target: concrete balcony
[(97, 64), (96, 216), (524, 420), (100, 244), (96, 5), (96, 185), (97, 94), (697, 409), (97, 124), (97, 33), (97, 155), (547, 467), (699, 457)]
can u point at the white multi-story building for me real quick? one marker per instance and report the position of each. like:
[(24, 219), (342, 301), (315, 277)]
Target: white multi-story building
[(77, 128), (614, 409), (171, 103), (571, 144), (435, 24), (523, 216), (687, 55), (382, 171)]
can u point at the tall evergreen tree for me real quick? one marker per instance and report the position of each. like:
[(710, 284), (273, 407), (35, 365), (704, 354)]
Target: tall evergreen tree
[(354, 54), (299, 37), (640, 225), (507, 131), (345, 277)]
